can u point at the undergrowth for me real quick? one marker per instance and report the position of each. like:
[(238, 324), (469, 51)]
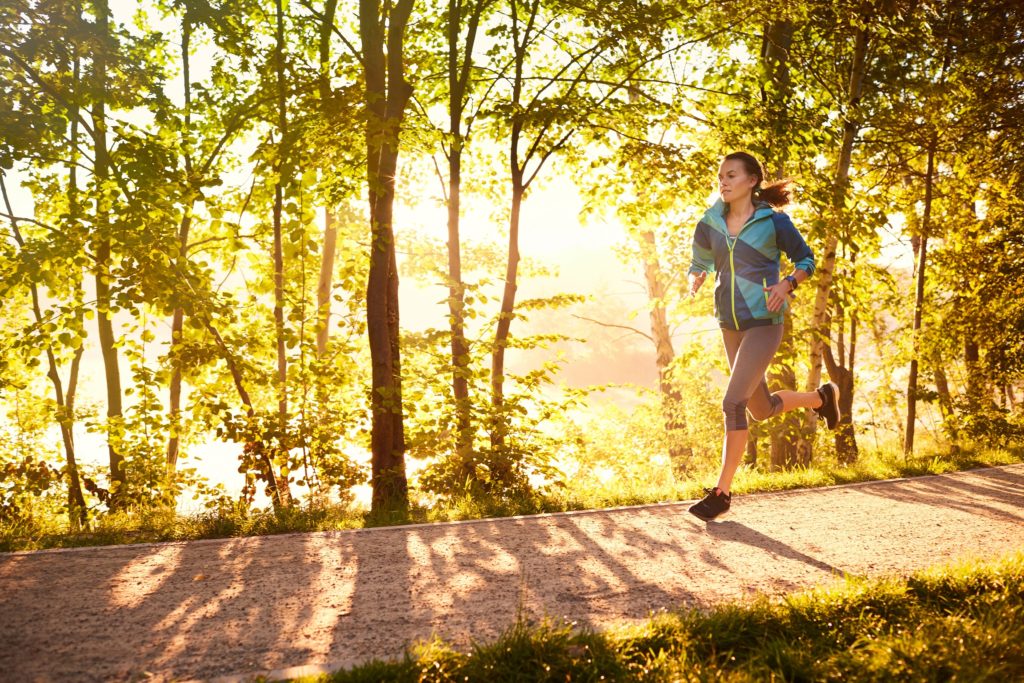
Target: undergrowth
[(49, 530)]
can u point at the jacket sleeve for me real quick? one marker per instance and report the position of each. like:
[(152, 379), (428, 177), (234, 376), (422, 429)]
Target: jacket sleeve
[(703, 260), (792, 243)]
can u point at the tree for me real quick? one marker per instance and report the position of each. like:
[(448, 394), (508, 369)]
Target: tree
[(102, 248), (460, 69), (387, 94)]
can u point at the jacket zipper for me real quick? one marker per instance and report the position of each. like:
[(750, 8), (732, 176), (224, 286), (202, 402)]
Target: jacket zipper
[(731, 243), (732, 275)]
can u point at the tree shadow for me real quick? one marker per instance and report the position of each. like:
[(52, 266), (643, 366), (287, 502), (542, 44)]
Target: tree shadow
[(471, 581), (999, 497), (202, 608)]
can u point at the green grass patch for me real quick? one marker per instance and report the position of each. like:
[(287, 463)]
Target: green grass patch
[(872, 466), (49, 531), (962, 622)]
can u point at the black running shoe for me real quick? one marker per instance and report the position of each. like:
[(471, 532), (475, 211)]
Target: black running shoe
[(715, 503), (829, 410)]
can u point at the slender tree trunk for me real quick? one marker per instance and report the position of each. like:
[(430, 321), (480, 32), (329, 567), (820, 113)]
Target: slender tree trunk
[(671, 399), (499, 424), (256, 447), (825, 270), (946, 404), (387, 94), (323, 289), (104, 314), (922, 259), (178, 317), (508, 303), (841, 370), (456, 310), (975, 382), (673, 417), (282, 494), (77, 512), (458, 85)]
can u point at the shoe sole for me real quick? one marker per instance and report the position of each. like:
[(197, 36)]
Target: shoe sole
[(708, 519), (835, 404)]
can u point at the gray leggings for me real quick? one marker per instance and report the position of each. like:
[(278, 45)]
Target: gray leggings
[(750, 352)]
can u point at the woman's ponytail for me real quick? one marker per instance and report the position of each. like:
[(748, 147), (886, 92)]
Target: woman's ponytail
[(776, 194)]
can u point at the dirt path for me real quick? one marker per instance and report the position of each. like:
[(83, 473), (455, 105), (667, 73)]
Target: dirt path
[(206, 609)]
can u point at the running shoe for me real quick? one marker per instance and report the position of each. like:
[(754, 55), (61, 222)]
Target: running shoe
[(715, 503), (829, 410)]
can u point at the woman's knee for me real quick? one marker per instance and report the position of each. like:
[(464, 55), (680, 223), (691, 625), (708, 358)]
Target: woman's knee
[(735, 413)]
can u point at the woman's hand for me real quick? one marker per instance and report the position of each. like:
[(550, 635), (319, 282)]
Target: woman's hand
[(696, 280), (777, 295)]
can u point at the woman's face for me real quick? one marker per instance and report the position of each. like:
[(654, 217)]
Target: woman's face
[(733, 180)]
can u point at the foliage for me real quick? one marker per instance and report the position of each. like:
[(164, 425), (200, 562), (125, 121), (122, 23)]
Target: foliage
[(152, 157)]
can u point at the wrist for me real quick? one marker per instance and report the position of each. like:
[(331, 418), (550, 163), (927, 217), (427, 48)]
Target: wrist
[(792, 282)]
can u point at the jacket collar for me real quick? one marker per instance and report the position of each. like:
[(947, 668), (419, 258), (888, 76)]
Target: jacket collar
[(715, 215)]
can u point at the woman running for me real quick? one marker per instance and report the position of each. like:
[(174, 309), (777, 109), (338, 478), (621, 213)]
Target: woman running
[(740, 239)]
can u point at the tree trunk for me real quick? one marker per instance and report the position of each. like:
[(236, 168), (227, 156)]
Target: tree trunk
[(841, 369), (458, 85), (387, 94), (922, 259), (825, 269), (846, 442), (456, 310), (77, 511), (323, 289), (104, 314), (975, 382), (281, 494), (671, 398), (499, 425), (508, 302), (946, 405), (775, 48), (178, 317)]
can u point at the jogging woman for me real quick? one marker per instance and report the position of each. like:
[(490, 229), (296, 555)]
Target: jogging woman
[(741, 239)]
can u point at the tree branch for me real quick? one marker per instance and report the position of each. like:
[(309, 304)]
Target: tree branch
[(621, 327)]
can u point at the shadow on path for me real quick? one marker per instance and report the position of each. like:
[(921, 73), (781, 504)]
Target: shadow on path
[(734, 531)]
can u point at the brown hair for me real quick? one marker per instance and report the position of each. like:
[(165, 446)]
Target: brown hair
[(776, 194)]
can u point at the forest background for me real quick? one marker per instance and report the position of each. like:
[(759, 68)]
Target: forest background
[(404, 254)]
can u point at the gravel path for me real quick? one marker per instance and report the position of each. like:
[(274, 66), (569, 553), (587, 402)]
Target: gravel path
[(237, 607)]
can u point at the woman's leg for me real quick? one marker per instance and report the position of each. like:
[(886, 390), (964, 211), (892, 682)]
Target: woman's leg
[(750, 352), (791, 400)]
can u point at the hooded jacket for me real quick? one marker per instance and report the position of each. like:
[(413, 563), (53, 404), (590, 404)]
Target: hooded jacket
[(747, 263)]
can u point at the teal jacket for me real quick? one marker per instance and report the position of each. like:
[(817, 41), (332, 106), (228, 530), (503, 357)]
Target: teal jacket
[(748, 263)]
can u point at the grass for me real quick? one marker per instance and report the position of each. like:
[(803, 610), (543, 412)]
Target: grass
[(49, 531), (960, 622)]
